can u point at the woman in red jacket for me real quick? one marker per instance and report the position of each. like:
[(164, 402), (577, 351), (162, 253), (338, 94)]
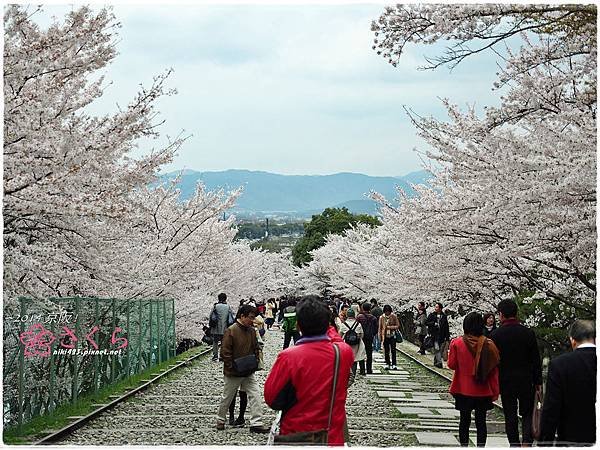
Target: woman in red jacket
[(474, 359)]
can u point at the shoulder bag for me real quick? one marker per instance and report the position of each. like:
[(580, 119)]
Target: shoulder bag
[(245, 365), (230, 318), (318, 437), (214, 318), (398, 336)]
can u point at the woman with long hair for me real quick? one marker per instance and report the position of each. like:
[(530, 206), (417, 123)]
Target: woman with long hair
[(489, 324), (474, 359)]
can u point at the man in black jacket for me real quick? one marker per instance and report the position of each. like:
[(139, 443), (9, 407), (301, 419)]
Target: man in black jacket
[(438, 328), (570, 401), (520, 371)]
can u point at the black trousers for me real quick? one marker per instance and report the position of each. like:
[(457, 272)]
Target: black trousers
[(389, 346), (422, 342), (465, 423), (521, 396), (288, 338), (369, 349), (243, 405)]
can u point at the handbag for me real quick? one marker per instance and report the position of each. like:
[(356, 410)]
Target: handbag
[(398, 336), (536, 418), (318, 437), (428, 342), (245, 365)]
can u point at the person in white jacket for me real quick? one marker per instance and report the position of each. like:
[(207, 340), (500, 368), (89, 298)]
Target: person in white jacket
[(359, 350)]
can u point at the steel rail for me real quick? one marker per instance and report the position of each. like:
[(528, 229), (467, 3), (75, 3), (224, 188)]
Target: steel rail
[(66, 431)]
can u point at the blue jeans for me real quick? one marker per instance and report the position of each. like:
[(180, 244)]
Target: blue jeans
[(376, 343)]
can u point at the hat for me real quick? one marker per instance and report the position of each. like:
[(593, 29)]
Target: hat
[(350, 313)]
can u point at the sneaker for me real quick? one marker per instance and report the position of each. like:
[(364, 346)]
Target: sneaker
[(239, 422), (386, 367), (259, 429), (214, 359), (394, 368), (220, 425), (231, 421)]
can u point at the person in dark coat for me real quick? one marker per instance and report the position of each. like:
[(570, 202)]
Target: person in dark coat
[(520, 371), (370, 326), (377, 312), (570, 402), (420, 326), (224, 317), (438, 328)]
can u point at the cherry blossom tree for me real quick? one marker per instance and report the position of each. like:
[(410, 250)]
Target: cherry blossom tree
[(80, 217), (511, 207)]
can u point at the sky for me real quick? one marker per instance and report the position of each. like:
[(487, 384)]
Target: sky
[(290, 89)]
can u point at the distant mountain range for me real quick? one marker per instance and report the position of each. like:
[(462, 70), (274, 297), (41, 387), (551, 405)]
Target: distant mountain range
[(296, 196)]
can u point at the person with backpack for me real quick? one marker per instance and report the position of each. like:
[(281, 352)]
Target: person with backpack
[(388, 324), (221, 317), (352, 333), (368, 322), (289, 324)]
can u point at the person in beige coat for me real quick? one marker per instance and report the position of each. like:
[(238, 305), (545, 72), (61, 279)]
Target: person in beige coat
[(359, 350)]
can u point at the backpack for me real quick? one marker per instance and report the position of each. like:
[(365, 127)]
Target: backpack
[(369, 326), (351, 336), (214, 318), (289, 320)]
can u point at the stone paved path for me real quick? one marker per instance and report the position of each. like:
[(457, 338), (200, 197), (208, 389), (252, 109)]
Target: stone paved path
[(423, 404)]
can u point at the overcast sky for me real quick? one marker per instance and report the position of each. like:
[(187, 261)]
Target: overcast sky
[(285, 89)]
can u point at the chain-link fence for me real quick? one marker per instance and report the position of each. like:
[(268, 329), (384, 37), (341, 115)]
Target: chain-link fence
[(57, 349)]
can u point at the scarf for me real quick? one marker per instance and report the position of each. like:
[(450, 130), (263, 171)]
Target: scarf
[(485, 353)]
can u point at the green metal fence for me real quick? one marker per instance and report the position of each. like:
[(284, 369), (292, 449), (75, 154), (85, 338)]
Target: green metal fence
[(57, 349)]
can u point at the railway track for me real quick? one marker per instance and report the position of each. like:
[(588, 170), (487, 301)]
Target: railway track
[(408, 407), (79, 422)]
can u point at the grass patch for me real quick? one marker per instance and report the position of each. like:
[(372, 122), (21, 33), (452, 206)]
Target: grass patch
[(35, 429), (396, 414)]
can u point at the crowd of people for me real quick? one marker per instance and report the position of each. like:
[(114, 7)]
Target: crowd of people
[(334, 340)]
